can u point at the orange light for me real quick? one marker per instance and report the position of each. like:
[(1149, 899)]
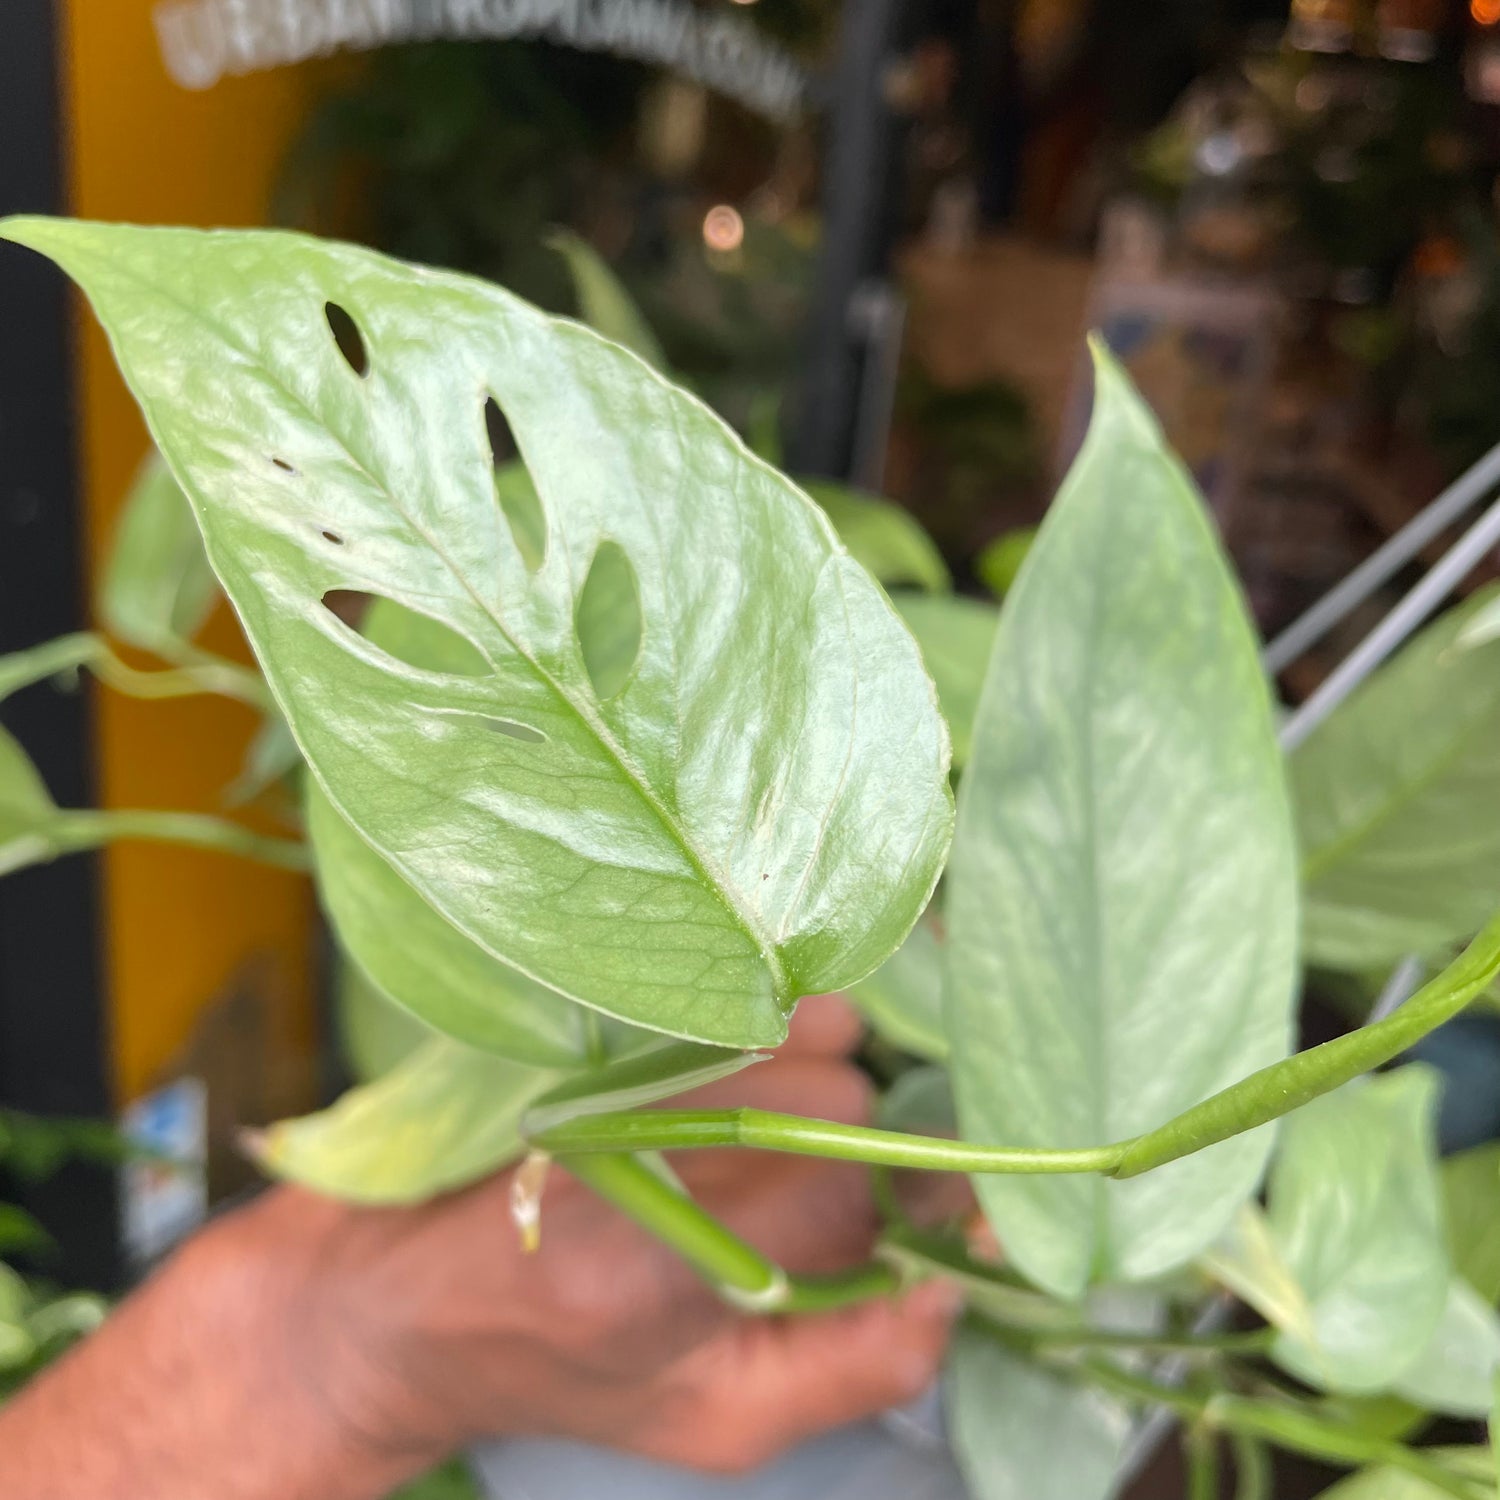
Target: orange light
[(1485, 12), (723, 228)]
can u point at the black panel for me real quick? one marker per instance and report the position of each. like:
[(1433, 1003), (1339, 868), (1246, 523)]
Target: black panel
[(53, 1052)]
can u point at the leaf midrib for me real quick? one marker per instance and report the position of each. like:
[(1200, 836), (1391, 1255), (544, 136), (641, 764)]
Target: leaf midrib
[(600, 731)]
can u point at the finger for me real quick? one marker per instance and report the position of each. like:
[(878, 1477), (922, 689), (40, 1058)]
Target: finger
[(824, 1025), (794, 1378)]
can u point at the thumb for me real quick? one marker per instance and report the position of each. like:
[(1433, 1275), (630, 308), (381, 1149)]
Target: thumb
[(797, 1377)]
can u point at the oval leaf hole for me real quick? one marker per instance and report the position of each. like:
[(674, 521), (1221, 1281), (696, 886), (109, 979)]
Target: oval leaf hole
[(347, 336), (283, 465), (514, 490), (514, 731), (415, 639), (334, 537), (608, 620)]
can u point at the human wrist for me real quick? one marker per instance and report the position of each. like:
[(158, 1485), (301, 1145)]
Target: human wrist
[(282, 1280)]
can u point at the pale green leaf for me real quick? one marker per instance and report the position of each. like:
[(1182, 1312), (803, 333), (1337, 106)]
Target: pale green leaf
[(446, 1116), (1398, 805), (903, 998), (920, 1102), (884, 536), (375, 1034), (158, 589), (956, 636), (760, 813), (1471, 1206), (603, 302), (1248, 1262), (1394, 1484), (271, 757), (1355, 1213), (1121, 904), (1455, 1372), (1021, 1432)]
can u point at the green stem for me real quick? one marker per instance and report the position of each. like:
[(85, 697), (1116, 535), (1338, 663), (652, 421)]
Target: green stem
[(1256, 1341), (1252, 1468), (72, 831), (1256, 1100), (1200, 1446), (740, 1272), (199, 672), (1298, 1431), (676, 1130)]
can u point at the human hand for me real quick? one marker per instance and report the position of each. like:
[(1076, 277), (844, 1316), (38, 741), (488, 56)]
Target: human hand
[(421, 1330)]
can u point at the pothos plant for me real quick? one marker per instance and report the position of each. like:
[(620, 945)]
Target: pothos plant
[(628, 753)]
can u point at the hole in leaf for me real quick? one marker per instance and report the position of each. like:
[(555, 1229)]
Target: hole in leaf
[(514, 490), (416, 639), (347, 605), (511, 730), (347, 336), (334, 537), (608, 620), (283, 465)]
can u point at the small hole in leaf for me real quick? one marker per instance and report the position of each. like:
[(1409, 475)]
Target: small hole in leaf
[(334, 537), (418, 639), (511, 730), (608, 620), (514, 490), (347, 336), (283, 465)]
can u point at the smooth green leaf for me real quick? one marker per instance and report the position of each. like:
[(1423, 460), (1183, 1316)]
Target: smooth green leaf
[(1248, 1261), (27, 810), (424, 964), (446, 1116), (903, 998), (1455, 1372), (760, 813), (920, 1102), (1021, 1432), (1398, 805), (884, 536), (999, 564), (1471, 1209), (158, 589), (956, 636), (1121, 903), (634, 1082), (271, 757), (1393, 1484), (603, 302), (1354, 1210), (375, 1034)]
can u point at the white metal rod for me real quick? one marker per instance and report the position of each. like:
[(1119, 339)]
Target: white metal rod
[(1450, 506)]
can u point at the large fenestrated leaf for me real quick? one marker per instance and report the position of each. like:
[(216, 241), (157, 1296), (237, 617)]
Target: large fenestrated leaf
[(1354, 1212), (1023, 1432), (1121, 904), (759, 813), (158, 588), (1398, 804)]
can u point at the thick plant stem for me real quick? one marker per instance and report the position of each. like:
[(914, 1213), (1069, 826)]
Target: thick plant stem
[(1254, 1101), (1200, 1446), (76, 830), (741, 1274)]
